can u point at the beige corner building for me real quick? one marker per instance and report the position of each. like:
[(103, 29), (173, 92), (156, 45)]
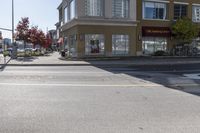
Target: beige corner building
[(121, 27), (98, 27)]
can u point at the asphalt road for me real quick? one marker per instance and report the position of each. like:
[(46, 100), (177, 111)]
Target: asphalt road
[(88, 99)]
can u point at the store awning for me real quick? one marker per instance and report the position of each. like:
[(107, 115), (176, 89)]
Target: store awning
[(156, 31)]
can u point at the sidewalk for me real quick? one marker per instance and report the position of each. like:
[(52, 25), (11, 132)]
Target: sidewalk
[(55, 59), (3, 60)]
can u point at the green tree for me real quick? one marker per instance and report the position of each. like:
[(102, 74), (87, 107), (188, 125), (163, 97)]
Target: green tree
[(184, 30)]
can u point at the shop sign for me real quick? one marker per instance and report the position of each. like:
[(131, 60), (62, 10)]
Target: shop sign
[(156, 31)]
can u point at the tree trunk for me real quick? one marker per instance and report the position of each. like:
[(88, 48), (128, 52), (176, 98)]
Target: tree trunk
[(24, 48)]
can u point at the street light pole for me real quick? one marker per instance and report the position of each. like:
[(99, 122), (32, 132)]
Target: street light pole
[(12, 21), (14, 51)]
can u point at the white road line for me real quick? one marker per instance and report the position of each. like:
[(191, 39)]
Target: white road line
[(83, 85), (192, 76), (50, 72), (101, 71), (173, 71), (99, 85)]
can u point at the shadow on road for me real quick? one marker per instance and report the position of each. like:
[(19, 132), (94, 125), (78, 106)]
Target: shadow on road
[(170, 76)]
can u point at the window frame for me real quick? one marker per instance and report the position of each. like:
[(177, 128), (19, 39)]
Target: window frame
[(102, 8), (163, 44), (165, 13), (94, 37), (66, 17), (194, 17), (126, 44), (119, 17), (180, 11), (70, 10)]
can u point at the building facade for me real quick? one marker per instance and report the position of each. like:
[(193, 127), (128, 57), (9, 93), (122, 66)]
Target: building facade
[(98, 27), (121, 27), (156, 18)]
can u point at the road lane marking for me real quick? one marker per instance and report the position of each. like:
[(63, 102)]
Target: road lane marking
[(132, 71), (99, 85), (192, 76), (170, 71), (84, 85)]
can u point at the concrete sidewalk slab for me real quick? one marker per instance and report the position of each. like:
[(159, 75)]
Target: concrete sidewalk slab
[(4, 61), (55, 59)]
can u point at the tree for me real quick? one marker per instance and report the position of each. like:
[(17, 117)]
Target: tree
[(48, 41), (23, 29), (40, 38), (33, 35), (184, 30)]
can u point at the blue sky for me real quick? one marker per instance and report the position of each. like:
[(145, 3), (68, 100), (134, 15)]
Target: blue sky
[(42, 13)]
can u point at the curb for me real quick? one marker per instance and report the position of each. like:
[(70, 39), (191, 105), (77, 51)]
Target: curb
[(109, 64)]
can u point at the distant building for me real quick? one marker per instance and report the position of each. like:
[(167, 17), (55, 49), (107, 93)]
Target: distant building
[(7, 41), (53, 36), (1, 35), (1, 42)]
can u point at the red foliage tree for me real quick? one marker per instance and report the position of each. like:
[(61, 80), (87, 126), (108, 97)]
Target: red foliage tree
[(40, 38), (23, 29), (48, 41), (33, 35)]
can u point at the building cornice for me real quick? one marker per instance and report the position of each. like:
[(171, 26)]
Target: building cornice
[(162, 1), (100, 22), (60, 6)]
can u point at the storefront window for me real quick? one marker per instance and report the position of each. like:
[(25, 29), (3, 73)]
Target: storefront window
[(73, 46), (94, 44), (120, 44), (66, 46), (196, 44), (152, 44)]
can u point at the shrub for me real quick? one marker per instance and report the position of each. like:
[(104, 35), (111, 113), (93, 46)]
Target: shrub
[(160, 53)]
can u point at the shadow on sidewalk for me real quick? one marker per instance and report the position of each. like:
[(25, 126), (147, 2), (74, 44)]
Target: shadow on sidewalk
[(25, 59), (5, 64)]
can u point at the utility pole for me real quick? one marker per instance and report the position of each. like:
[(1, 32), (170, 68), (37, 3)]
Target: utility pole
[(12, 21), (14, 51)]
